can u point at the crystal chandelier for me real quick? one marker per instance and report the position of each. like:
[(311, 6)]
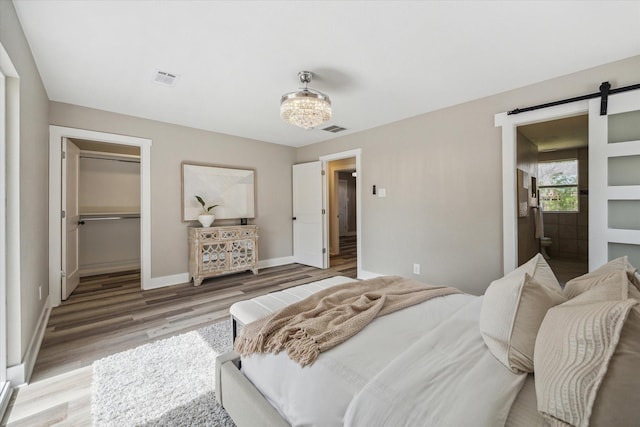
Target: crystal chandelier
[(306, 108)]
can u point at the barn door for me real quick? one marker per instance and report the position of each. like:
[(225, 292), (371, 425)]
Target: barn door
[(614, 179)]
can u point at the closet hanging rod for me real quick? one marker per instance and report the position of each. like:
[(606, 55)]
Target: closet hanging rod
[(82, 156), (103, 155), (108, 217)]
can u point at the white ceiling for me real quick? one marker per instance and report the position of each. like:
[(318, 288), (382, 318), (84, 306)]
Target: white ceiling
[(561, 134), (379, 61)]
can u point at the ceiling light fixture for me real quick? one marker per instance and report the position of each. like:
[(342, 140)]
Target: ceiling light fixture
[(306, 108)]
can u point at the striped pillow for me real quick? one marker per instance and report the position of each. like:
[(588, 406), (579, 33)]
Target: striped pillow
[(586, 358)]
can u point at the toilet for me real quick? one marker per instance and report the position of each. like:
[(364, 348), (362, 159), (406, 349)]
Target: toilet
[(545, 242)]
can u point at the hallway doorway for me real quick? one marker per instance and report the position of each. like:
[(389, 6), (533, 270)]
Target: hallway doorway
[(342, 210)]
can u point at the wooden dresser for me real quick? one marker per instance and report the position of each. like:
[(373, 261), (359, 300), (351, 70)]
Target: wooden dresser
[(221, 250)]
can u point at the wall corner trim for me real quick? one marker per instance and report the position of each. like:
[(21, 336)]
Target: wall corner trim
[(21, 373)]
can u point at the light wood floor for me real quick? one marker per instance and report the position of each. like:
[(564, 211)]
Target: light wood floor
[(109, 313)]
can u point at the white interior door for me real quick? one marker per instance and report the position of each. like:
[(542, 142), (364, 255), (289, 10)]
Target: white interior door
[(614, 180), (307, 214), (70, 235)]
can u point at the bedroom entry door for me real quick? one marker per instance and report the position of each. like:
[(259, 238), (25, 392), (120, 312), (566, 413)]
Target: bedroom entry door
[(614, 179), (70, 219), (307, 214)]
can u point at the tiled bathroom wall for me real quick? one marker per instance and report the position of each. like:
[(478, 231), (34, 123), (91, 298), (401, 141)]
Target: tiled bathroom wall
[(569, 232)]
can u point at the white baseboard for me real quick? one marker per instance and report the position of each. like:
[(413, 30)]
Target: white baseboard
[(180, 278), (368, 275), (275, 262), (163, 281), (20, 374)]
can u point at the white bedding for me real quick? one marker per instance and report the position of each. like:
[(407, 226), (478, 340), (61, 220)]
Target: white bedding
[(524, 411), (356, 383), (448, 378)]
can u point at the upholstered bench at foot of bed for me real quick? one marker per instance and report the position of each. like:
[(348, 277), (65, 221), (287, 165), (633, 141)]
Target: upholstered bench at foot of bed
[(242, 401), (244, 312)]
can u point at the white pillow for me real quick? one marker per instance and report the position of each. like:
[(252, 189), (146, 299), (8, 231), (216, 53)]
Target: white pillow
[(513, 309)]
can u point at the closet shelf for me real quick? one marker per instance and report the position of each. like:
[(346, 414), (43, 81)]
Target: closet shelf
[(99, 155), (108, 216)]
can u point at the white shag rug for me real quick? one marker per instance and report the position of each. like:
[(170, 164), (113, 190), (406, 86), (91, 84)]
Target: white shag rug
[(169, 382)]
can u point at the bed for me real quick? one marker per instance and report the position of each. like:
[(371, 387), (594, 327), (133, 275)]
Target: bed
[(461, 360)]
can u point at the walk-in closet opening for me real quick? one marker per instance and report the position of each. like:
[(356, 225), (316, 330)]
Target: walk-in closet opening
[(108, 202)]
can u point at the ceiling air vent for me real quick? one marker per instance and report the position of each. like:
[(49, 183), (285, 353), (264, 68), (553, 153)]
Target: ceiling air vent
[(334, 129), (165, 78)]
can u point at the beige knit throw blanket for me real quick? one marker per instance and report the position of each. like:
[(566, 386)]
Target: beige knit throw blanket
[(331, 316)]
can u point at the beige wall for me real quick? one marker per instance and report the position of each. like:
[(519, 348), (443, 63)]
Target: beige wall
[(173, 144), (109, 186), (23, 303), (527, 160), (442, 173), (107, 246)]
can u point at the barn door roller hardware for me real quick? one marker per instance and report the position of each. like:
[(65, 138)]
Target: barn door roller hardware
[(605, 91)]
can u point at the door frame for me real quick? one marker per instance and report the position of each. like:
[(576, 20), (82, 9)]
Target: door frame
[(357, 153), (509, 124), (9, 211), (56, 133)]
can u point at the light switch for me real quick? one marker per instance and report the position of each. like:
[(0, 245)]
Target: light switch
[(382, 192)]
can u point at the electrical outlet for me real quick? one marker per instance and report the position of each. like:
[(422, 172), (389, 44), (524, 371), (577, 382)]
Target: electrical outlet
[(40, 292), (416, 268)]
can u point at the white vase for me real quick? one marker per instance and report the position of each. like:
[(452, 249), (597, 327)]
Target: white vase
[(206, 220)]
